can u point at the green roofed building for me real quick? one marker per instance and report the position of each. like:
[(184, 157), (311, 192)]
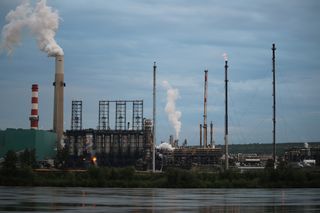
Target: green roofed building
[(44, 142)]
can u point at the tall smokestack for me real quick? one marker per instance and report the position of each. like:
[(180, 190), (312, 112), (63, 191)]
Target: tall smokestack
[(58, 99), (212, 143), (200, 135), (226, 115), (205, 135), (154, 120), (34, 117), (274, 105)]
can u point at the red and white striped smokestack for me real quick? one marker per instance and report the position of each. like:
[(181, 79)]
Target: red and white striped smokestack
[(34, 117)]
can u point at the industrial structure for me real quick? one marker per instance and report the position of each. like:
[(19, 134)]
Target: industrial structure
[(119, 145), (58, 99), (188, 156), (274, 104), (121, 139), (126, 143), (17, 140), (212, 142), (303, 156), (204, 127), (205, 133), (34, 117), (154, 139), (226, 130)]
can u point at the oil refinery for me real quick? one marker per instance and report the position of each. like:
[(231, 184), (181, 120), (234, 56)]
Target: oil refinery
[(129, 142), (120, 139)]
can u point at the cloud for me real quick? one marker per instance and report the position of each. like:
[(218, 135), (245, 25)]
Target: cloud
[(110, 48)]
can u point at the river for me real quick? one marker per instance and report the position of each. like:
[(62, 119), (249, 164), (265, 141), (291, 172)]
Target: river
[(65, 199)]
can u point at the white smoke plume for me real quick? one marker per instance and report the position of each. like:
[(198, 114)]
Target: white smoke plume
[(42, 21), (173, 115), (225, 56), (165, 146)]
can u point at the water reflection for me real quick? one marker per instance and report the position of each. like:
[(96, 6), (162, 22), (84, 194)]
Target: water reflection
[(46, 199)]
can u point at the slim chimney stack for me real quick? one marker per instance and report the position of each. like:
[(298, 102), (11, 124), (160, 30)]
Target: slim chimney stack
[(226, 117), (154, 119), (212, 143), (205, 132), (34, 117), (58, 99), (200, 135), (274, 105)]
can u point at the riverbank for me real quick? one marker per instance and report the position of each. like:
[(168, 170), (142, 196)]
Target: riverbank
[(172, 178)]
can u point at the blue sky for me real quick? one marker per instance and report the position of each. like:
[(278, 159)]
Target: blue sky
[(110, 47)]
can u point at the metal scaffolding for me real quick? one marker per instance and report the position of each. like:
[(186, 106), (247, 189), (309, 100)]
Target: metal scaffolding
[(121, 115), (137, 115), (76, 115), (103, 115)]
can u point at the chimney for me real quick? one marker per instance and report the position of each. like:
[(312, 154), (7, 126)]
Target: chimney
[(58, 99), (200, 135), (205, 135), (226, 117), (34, 117), (212, 143)]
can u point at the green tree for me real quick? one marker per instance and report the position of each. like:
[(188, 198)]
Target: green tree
[(269, 164), (10, 160), (61, 160), (27, 158)]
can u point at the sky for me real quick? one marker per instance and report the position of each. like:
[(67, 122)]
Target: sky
[(110, 47)]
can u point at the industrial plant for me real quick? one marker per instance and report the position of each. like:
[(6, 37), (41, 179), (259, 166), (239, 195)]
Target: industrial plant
[(128, 141), (120, 139), (121, 144)]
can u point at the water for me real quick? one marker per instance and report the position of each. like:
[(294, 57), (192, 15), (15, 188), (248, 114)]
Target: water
[(47, 199)]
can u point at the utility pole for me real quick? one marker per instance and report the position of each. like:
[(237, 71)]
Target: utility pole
[(154, 120), (274, 104)]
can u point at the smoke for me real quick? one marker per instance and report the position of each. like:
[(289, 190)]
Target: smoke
[(42, 21), (225, 56), (173, 114), (165, 146)]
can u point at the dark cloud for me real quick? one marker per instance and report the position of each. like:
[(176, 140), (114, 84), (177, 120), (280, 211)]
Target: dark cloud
[(110, 47)]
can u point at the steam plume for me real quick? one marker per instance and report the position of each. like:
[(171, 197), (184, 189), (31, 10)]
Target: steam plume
[(42, 21), (225, 56), (173, 114), (165, 146)]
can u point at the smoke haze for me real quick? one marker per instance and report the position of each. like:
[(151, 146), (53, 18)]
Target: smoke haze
[(165, 146), (42, 21), (173, 115)]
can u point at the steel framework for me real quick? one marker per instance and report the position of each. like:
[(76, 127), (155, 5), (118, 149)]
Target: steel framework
[(76, 115), (121, 115), (103, 115), (137, 115)]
